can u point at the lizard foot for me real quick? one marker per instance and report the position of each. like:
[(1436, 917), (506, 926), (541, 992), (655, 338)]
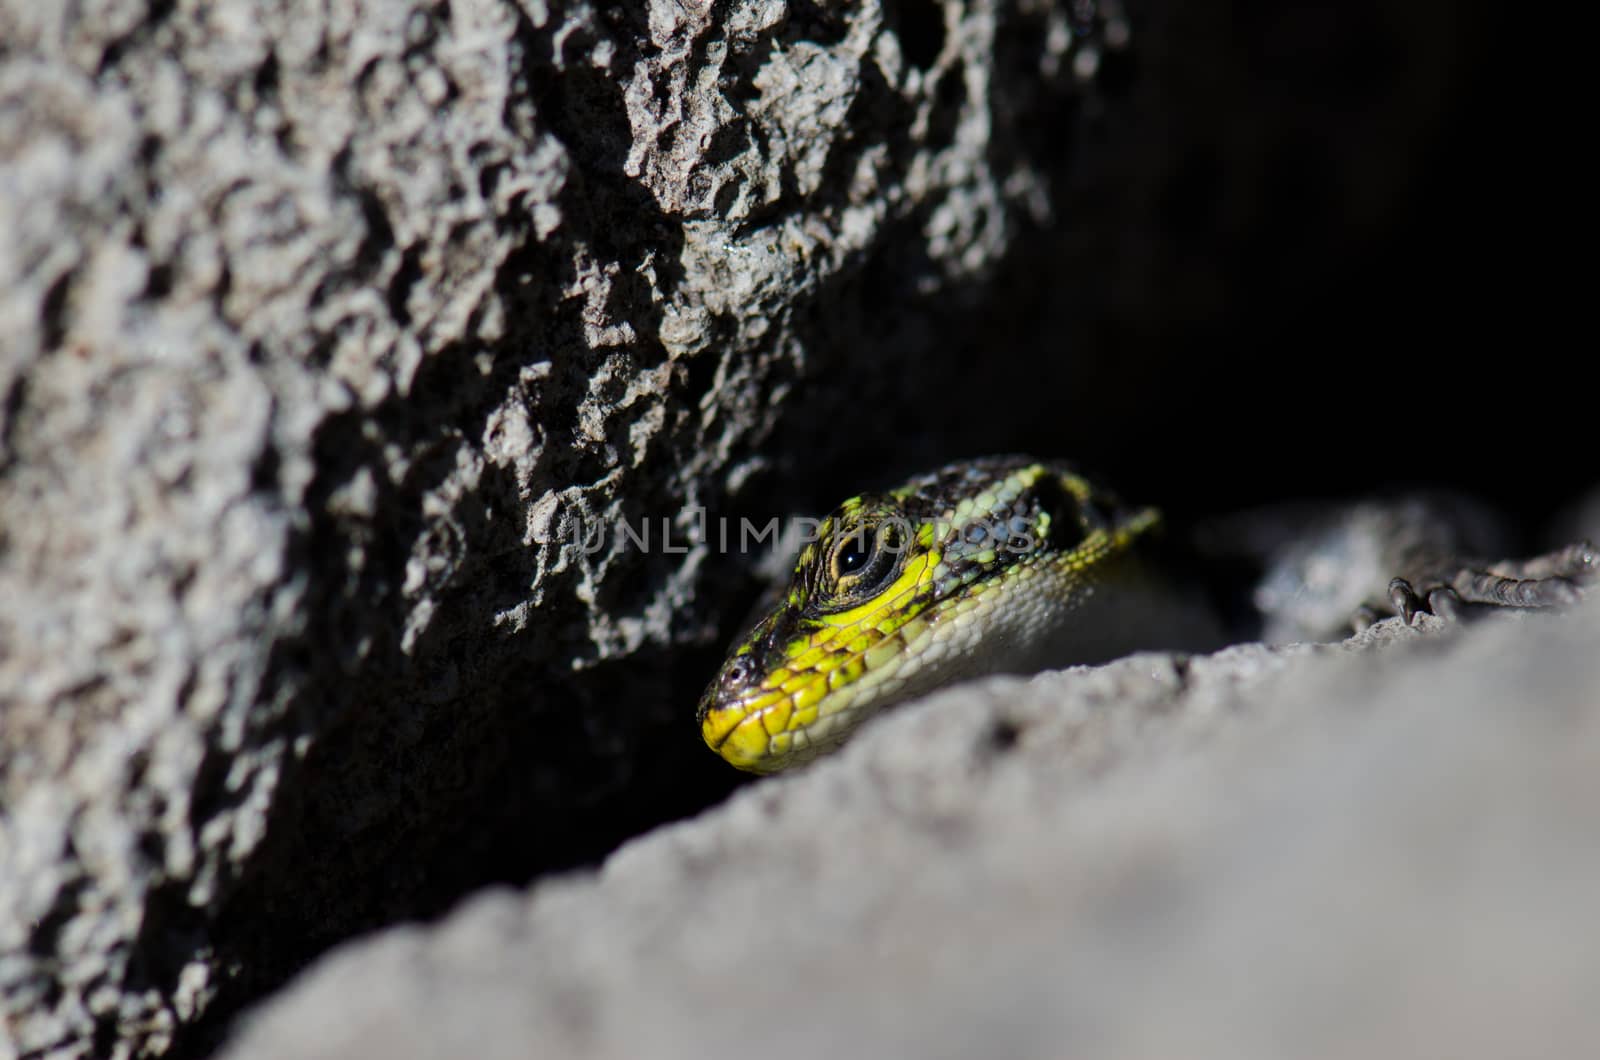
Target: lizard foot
[(1555, 579)]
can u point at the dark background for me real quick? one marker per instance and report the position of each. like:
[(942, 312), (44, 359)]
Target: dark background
[(1302, 250)]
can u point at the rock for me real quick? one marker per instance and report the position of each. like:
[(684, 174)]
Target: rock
[(1382, 849), (333, 333)]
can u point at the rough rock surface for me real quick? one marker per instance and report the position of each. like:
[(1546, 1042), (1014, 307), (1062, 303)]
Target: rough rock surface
[(327, 329), (1320, 852), (326, 326)]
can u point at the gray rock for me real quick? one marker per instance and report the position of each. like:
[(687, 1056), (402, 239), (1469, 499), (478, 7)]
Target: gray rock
[(1379, 849), (329, 330)]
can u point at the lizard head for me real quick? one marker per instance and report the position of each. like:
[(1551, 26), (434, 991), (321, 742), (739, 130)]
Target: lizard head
[(954, 574)]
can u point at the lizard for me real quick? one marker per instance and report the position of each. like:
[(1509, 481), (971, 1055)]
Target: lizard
[(1014, 565)]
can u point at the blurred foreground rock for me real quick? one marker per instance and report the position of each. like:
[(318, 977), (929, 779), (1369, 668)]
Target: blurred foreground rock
[(1314, 852)]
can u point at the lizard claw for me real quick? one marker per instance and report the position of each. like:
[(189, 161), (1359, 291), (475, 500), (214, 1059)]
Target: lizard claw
[(1441, 600), (1556, 579), (1445, 602), (1405, 601)]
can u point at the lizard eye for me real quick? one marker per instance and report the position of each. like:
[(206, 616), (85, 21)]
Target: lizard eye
[(864, 561), (851, 557)]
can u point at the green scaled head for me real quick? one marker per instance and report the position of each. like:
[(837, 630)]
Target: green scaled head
[(961, 572)]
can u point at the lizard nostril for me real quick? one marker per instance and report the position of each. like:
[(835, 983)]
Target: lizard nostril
[(740, 669)]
